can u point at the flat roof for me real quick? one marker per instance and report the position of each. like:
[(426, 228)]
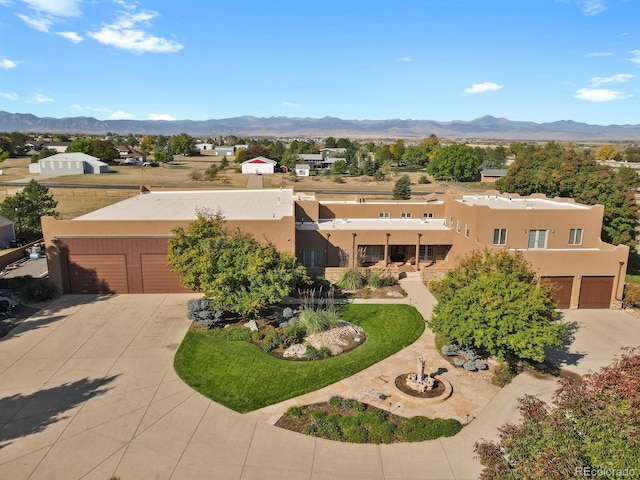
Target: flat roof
[(263, 204), (352, 224), (518, 203)]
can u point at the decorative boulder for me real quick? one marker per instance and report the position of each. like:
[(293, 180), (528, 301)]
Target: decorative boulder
[(252, 325), (295, 351)]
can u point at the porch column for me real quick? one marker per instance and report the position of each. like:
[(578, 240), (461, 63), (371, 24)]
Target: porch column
[(326, 251), (386, 251), (418, 253), (353, 251)]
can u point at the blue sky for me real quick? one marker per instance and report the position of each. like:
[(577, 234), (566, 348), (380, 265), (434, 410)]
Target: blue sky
[(538, 60)]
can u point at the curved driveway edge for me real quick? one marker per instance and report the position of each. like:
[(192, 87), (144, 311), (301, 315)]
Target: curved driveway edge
[(88, 390)]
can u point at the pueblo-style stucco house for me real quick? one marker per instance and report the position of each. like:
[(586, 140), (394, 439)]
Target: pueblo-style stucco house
[(122, 248)]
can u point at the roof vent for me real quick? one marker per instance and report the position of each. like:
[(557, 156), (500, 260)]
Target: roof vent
[(529, 206)]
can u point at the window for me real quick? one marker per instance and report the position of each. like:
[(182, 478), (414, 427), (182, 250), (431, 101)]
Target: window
[(537, 239), (383, 215), (466, 230), (499, 236), (450, 222), (405, 215), (427, 215), (312, 258), (458, 226), (575, 236)]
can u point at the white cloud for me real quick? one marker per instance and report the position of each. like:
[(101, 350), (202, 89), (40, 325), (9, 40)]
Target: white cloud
[(128, 33), (161, 116), (290, 104), (618, 78), (42, 98), (9, 96), (72, 36), (6, 63), (600, 54), (593, 7), (41, 24), (57, 8), (120, 115), (599, 95), (483, 87), (636, 56), (404, 59)]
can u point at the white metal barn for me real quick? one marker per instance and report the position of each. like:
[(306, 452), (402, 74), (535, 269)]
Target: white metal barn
[(69, 164), (259, 166)]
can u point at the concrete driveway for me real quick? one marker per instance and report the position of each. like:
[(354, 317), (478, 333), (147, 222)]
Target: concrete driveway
[(88, 390)]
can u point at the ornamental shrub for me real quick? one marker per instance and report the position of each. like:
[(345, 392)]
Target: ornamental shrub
[(199, 310), (381, 433), (449, 350), (458, 362), (418, 429), (355, 434), (471, 366), (632, 295), (351, 279), (480, 364)]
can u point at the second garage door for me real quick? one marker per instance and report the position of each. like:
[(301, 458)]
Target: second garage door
[(157, 276), (595, 292)]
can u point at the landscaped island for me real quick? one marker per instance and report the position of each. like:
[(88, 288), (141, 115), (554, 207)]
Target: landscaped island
[(243, 377)]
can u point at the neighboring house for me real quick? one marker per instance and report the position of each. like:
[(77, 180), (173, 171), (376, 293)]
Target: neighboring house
[(492, 174), (122, 248), (332, 152), (7, 232), (134, 156), (303, 170), (69, 164), (258, 165), (59, 147), (224, 150), (206, 148), (314, 160), (34, 146)]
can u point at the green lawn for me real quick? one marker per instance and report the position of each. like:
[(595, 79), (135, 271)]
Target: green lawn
[(242, 377)]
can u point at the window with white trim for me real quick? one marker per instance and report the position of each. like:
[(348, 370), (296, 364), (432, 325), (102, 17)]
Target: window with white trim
[(427, 215), (575, 236), (466, 230), (450, 222), (383, 215), (499, 236), (405, 215), (537, 239), (458, 226)]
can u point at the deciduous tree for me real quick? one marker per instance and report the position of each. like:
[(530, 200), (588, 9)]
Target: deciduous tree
[(456, 162), (182, 144), (26, 207), (495, 302), (591, 426), (235, 271)]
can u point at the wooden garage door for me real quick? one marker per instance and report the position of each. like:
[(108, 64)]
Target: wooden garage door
[(157, 276), (563, 294), (595, 292), (98, 274)]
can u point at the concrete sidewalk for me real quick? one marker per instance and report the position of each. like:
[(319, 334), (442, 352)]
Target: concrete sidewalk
[(88, 390)]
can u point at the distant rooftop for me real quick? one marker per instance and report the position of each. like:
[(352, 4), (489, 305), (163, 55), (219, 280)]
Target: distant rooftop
[(517, 203), (261, 204)]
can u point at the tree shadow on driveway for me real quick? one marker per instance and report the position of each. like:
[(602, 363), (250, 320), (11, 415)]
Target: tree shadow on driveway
[(23, 415)]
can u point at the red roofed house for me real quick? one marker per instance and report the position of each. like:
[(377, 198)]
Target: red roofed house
[(258, 165)]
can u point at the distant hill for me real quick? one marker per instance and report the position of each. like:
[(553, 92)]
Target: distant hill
[(487, 127)]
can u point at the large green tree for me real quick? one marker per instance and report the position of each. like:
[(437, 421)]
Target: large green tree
[(182, 144), (555, 171), (235, 271), (495, 302), (592, 426), (26, 207), (455, 162), (402, 188)]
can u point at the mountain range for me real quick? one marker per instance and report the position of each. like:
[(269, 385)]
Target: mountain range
[(486, 128)]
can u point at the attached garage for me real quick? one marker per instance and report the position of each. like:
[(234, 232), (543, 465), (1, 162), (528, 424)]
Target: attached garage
[(595, 292), (563, 294), (98, 273), (157, 276)]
